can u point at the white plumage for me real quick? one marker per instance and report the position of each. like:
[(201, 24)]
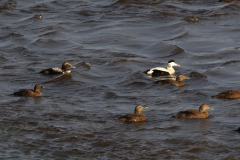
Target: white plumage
[(57, 69), (160, 71)]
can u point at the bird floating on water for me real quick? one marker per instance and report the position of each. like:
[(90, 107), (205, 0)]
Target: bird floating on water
[(195, 113), (30, 93), (178, 82), (136, 117), (231, 94), (57, 70), (160, 71)]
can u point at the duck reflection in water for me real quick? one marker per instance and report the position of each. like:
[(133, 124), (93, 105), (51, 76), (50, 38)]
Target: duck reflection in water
[(60, 78)]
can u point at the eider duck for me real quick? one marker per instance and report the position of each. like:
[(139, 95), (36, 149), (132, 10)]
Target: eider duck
[(159, 71), (231, 94), (30, 93), (137, 117), (38, 16), (195, 113), (57, 70), (178, 82)]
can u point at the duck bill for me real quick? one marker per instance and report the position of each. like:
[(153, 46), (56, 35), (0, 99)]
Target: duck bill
[(177, 64), (145, 107), (42, 87), (187, 77), (73, 67), (211, 108)]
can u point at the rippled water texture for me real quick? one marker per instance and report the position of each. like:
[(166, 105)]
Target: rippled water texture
[(75, 117)]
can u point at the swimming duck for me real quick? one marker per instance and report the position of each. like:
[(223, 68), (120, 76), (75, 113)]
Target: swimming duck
[(57, 70), (195, 113), (178, 82), (137, 117), (159, 71), (238, 129), (30, 93), (231, 94)]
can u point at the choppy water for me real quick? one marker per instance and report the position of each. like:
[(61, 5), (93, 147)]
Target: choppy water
[(75, 117)]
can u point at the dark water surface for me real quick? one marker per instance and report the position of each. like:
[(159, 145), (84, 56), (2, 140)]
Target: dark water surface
[(75, 117)]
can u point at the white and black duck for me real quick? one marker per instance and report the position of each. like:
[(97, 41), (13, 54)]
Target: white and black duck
[(160, 71)]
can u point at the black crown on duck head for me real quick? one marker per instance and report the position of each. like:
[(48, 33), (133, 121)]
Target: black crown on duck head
[(171, 61)]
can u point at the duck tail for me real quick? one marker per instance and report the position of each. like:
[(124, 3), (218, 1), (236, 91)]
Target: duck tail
[(180, 115), (218, 96), (146, 71), (121, 119)]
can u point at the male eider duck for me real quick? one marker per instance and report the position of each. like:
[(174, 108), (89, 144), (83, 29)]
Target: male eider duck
[(57, 70), (231, 94), (137, 117), (178, 82), (159, 71), (195, 113), (30, 93)]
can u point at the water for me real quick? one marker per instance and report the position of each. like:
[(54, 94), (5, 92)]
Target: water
[(75, 117)]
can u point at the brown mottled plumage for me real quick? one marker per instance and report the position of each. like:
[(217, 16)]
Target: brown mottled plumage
[(30, 93), (231, 94), (137, 117), (57, 70), (178, 82), (195, 113)]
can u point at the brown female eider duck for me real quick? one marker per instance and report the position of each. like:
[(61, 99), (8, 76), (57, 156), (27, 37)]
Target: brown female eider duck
[(137, 117), (178, 82), (30, 93), (231, 94), (195, 113), (159, 71), (57, 70)]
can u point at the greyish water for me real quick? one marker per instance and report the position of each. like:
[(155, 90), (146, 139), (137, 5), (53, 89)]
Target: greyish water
[(75, 117)]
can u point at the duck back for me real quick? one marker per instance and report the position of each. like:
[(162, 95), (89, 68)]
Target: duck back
[(28, 93), (192, 114), (55, 70), (132, 118), (231, 94), (171, 82)]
